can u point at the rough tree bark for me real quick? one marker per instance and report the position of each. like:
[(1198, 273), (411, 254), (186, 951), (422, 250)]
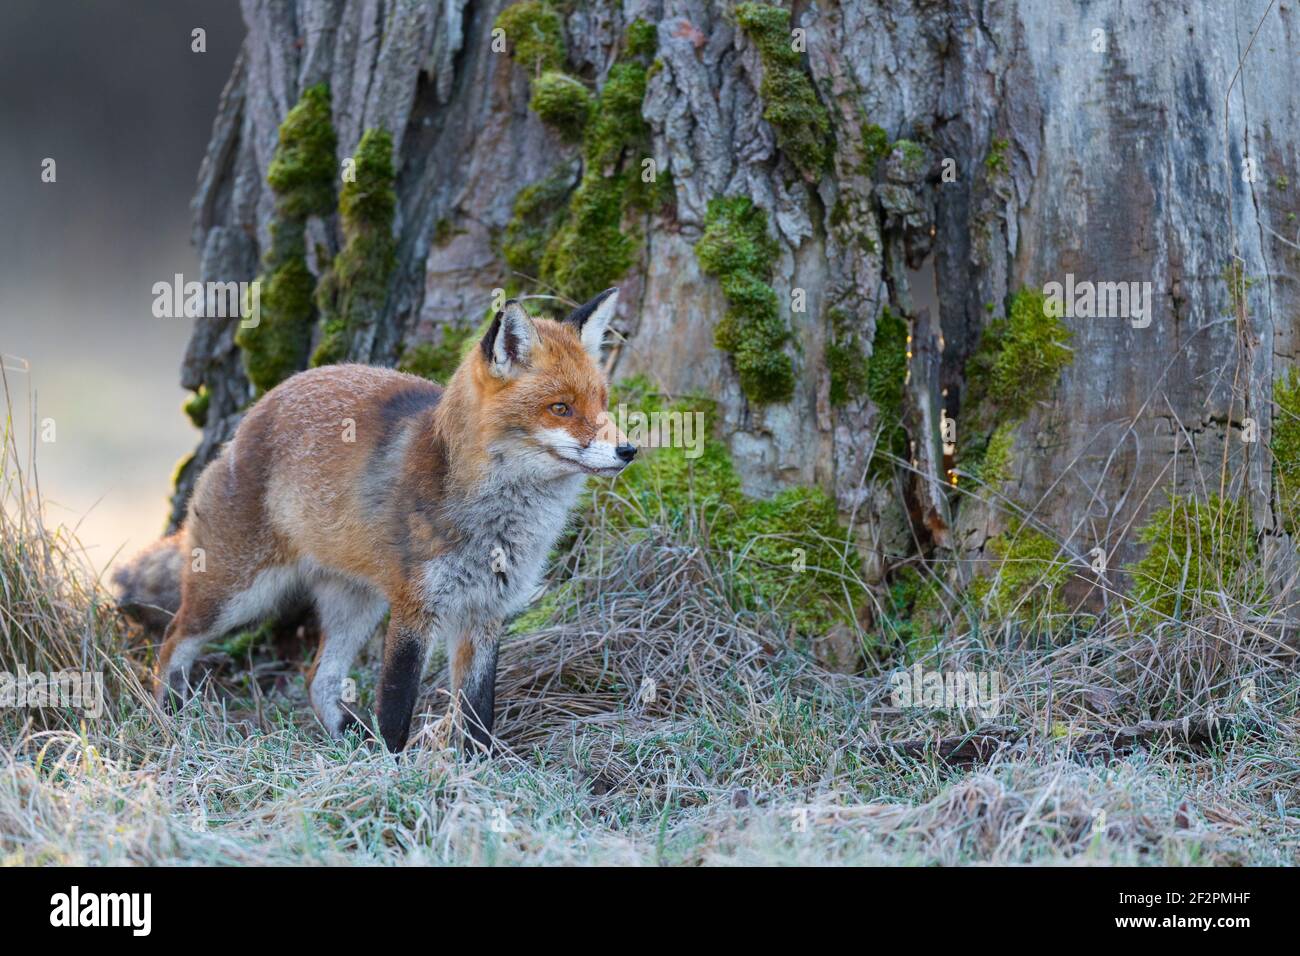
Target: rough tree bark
[(1104, 139)]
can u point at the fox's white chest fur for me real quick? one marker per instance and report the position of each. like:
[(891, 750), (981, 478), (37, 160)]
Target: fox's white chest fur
[(509, 530)]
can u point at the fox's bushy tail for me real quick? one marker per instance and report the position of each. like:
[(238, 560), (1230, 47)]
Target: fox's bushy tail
[(148, 587)]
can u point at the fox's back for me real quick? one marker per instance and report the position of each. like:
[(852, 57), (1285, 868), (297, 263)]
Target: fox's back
[(313, 467)]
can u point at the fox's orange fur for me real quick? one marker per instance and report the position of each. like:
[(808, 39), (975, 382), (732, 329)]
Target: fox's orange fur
[(374, 490)]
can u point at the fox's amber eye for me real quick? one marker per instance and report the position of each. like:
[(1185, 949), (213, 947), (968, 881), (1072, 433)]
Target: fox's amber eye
[(559, 408)]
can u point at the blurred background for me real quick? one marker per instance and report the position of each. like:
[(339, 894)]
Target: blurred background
[(114, 94)]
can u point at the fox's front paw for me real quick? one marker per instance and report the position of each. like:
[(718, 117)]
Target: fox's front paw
[(172, 691)]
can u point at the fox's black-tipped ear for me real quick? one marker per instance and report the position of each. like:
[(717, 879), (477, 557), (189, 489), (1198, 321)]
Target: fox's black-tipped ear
[(509, 341), (592, 319)]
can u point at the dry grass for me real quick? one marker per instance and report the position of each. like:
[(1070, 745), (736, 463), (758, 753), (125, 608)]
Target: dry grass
[(648, 720)]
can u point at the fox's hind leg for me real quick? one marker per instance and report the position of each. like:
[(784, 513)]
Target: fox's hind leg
[(191, 628), (214, 602), (349, 614)]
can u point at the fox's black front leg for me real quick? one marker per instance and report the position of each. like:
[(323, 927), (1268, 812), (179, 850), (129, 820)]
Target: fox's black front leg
[(399, 682), (474, 682)]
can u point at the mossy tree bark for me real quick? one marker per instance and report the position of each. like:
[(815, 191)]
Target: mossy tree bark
[(910, 159)]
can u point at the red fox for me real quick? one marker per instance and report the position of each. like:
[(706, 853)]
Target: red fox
[(371, 490)]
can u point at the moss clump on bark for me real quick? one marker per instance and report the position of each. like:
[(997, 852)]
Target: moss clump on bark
[(912, 154), (790, 103), (303, 168), (616, 121), (642, 39), (1017, 364), (1027, 352), (590, 250), (438, 362), (737, 250), (196, 406), (277, 346), (875, 147), (534, 36), (352, 295), (562, 102), (301, 175), (1285, 446), (1027, 584), (995, 469), (182, 469), (1197, 550), (537, 212), (886, 375), (913, 611), (996, 161), (789, 553), (846, 360)]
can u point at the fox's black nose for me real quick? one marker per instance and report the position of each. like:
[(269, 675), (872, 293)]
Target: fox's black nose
[(626, 452)]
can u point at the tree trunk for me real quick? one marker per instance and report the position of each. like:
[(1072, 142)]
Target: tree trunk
[(1023, 141)]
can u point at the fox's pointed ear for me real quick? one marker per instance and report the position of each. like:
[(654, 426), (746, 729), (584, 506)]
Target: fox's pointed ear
[(509, 341), (592, 319)]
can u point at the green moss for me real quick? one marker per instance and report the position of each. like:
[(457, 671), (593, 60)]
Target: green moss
[(616, 121), (536, 617), (589, 250), (846, 360), (562, 102), (438, 362), (760, 537), (443, 232), (642, 38), (1017, 364), (239, 644), (875, 147), (887, 368), (301, 175), (1196, 550), (537, 212), (995, 469), (886, 375), (1028, 581), (534, 36), (802, 124), (791, 106), (996, 161), (181, 469), (1285, 446), (772, 540), (303, 168), (196, 407), (352, 295), (1024, 353), (737, 250), (913, 155), (277, 346)]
